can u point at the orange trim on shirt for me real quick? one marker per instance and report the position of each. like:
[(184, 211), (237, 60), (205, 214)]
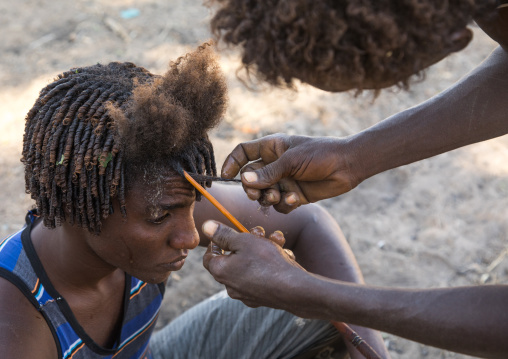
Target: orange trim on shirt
[(36, 285), (137, 336), (138, 291)]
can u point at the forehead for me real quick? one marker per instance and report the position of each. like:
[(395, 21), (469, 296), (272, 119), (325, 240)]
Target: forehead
[(155, 190)]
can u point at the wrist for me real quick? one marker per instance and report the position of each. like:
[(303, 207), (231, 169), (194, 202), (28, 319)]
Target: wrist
[(350, 151), (312, 296), (381, 147)]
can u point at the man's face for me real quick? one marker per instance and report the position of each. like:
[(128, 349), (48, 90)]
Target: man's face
[(157, 234)]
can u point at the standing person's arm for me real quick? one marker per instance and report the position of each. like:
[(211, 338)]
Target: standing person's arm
[(469, 320), (473, 110), (298, 170)]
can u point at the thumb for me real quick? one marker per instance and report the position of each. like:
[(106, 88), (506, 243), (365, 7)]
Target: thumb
[(267, 175), (225, 237)]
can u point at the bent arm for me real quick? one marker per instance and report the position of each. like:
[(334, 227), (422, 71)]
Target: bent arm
[(469, 320), (473, 110)]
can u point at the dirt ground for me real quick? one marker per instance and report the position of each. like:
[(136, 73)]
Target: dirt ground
[(440, 222)]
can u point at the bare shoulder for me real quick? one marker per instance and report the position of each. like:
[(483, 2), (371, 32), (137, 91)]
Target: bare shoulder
[(24, 332)]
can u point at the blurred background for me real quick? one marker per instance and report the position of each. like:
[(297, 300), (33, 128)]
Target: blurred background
[(440, 222)]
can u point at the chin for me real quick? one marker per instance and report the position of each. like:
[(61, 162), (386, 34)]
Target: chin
[(152, 279)]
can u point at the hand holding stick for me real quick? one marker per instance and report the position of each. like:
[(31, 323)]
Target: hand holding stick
[(349, 334)]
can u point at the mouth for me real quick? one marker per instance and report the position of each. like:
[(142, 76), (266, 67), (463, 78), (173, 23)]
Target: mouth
[(175, 265)]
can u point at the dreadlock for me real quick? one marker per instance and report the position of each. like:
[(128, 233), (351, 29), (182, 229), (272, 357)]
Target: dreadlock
[(95, 129)]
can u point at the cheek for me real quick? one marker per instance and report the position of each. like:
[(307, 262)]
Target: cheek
[(140, 246), (114, 252), (126, 247)]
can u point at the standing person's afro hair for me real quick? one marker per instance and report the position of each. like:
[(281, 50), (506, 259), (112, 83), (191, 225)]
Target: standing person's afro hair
[(368, 43)]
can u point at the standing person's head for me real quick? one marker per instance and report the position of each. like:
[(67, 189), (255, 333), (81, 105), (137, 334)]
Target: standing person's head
[(105, 146), (343, 45)]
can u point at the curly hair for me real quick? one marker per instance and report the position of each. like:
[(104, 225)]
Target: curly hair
[(374, 42), (95, 129)]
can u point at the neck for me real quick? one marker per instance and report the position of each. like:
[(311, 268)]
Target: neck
[(68, 260)]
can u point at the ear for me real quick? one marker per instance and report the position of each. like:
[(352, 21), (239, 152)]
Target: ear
[(461, 39)]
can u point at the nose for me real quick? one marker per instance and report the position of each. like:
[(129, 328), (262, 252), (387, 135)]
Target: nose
[(184, 235)]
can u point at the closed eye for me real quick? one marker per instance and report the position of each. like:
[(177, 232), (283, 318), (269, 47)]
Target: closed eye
[(160, 219)]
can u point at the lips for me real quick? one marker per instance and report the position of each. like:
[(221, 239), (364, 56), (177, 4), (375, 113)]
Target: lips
[(175, 265)]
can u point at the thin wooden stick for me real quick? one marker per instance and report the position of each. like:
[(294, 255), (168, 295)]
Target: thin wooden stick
[(216, 203), (346, 331), (361, 345)]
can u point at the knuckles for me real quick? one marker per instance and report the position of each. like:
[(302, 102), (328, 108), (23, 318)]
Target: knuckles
[(283, 208)]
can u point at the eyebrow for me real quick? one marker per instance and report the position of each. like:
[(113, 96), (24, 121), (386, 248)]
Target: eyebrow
[(186, 202), (156, 210), (168, 207)]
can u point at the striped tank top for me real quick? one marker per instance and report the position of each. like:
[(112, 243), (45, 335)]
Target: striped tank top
[(20, 265)]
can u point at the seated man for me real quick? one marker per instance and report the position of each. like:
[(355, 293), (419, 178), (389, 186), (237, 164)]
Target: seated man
[(104, 150)]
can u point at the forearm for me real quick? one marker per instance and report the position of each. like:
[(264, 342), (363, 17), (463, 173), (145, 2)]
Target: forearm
[(473, 110), (322, 248), (470, 320)]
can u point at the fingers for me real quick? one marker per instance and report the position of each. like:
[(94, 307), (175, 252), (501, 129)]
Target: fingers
[(285, 196), (268, 175), (265, 168), (266, 197), (278, 238), (258, 231), (234, 163), (268, 149), (290, 254), (253, 193), (212, 251), (240, 156), (289, 202)]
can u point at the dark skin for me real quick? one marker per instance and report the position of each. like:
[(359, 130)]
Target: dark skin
[(295, 170), (309, 169), (158, 233), (469, 320), (288, 171)]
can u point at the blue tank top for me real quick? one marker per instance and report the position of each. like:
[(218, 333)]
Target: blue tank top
[(20, 265)]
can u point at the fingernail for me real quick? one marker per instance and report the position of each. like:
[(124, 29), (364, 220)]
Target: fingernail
[(250, 176), (209, 228), (270, 197), (291, 199)]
